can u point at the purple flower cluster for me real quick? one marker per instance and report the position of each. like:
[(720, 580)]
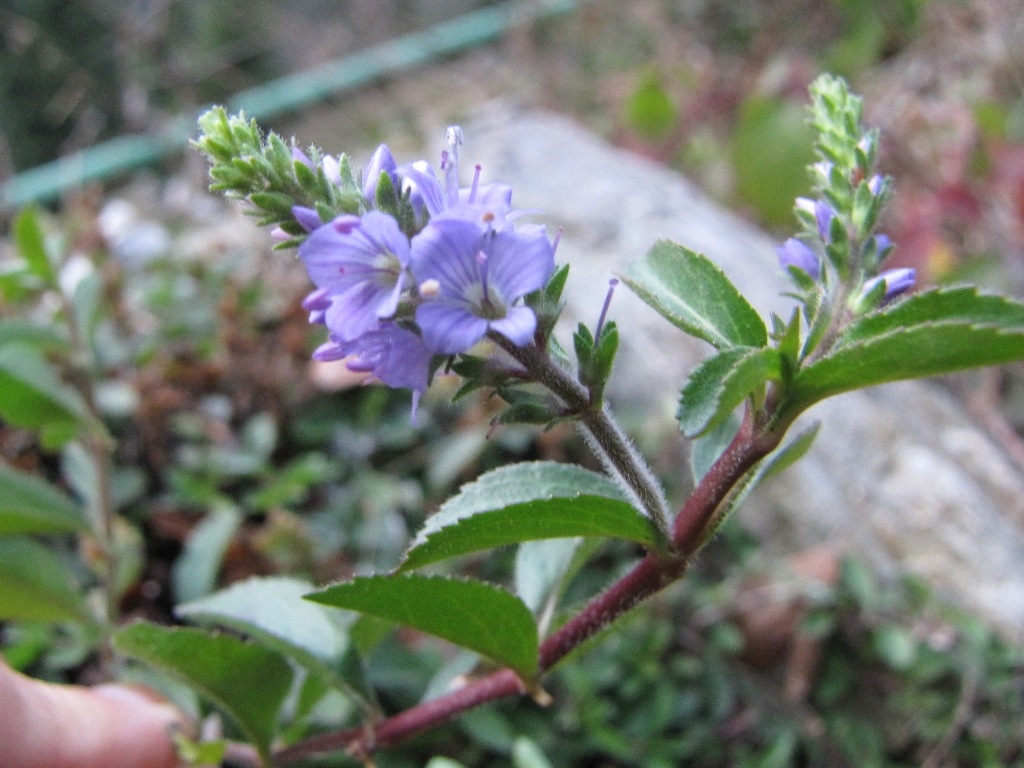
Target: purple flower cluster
[(392, 300), (824, 224)]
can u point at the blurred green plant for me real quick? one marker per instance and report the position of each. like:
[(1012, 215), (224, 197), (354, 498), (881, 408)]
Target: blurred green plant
[(52, 377), (650, 111)]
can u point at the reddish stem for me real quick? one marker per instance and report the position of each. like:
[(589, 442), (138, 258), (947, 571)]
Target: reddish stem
[(389, 732), (649, 576), (746, 449)]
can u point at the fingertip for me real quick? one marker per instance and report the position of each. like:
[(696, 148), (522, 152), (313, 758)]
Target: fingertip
[(143, 703), (66, 726), (144, 724)]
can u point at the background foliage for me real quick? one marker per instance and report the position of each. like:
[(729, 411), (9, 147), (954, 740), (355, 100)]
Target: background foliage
[(229, 464)]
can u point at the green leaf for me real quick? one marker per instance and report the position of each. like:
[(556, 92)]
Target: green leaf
[(706, 448), (778, 460), (444, 762), (44, 337), (692, 293), (721, 383), (29, 504), (541, 568), (526, 502), (32, 394), (929, 349), (195, 571), (770, 180), (895, 646), (960, 304), (249, 682), (789, 454), (36, 584), (471, 614), (28, 236), (272, 610), (79, 471), (87, 303), (649, 109), (526, 754), (199, 752), (545, 568)]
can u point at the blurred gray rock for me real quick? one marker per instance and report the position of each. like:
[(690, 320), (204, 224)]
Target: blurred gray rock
[(898, 474)]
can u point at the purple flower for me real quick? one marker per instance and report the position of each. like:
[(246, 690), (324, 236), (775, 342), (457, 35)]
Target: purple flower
[(823, 214), (331, 166), (795, 253), (332, 169), (471, 278), (868, 144), (308, 218), (485, 204), (390, 354), (896, 281), (317, 303), (360, 264), (824, 170), (877, 248), (299, 156), (382, 161)]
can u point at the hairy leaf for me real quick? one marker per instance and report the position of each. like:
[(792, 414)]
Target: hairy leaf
[(527, 502), (722, 382), (272, 610), (472, 614), (249, 682), (961, 304), (692, 293), (929, 349)]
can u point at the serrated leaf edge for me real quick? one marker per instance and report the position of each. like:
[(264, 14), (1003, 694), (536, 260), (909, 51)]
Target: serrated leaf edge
[(879, 338), (708, 332), (735, 369), (447, 579), (431, 537)]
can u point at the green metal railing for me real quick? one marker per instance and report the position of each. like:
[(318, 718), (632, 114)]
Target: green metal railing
[(49, 181)]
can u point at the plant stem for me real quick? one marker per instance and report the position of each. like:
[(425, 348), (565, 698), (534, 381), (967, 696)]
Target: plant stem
[(99, 446), (746, 449), (652, 574), (606, 438)]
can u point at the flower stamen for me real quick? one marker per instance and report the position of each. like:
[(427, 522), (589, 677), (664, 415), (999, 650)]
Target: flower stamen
[(430, 289), (481, 259), (476, 182), (604, 310)]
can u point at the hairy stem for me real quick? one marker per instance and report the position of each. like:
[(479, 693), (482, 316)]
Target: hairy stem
[(749, 446), (652, 574), (611, 445)]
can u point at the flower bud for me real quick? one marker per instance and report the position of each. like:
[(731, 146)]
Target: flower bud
[(883, 288), (382, 161), (795, 253)]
